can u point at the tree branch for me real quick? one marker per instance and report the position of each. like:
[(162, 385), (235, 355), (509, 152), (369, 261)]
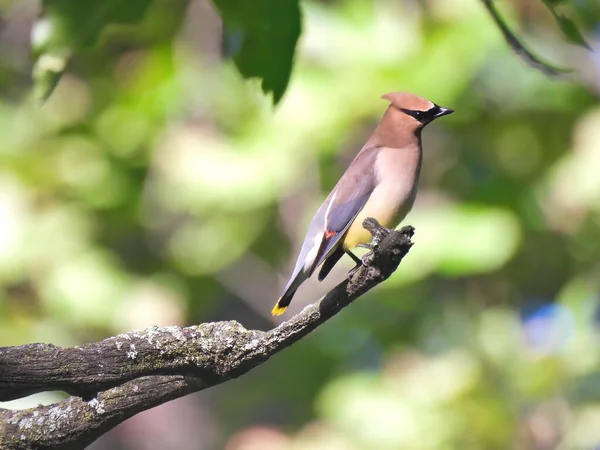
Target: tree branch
[(517, 46), (118, 377)]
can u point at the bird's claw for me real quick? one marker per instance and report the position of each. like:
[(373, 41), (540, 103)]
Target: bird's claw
[(374, 244), (353, 271), (365, 261), (378, 233)]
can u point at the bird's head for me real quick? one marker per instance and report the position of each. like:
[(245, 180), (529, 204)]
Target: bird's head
[(413, 111)]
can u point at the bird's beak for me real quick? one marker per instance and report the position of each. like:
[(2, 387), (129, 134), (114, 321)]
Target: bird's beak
[(443, 112)]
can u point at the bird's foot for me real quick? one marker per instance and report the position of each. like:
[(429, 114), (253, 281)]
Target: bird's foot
[(367, 258), (358, 262), (379, 233), (353, 271), (373, 245), (364, 261)]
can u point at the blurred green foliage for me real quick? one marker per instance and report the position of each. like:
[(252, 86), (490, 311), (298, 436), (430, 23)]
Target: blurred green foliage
[(566, 24), (156, 186), (260, 36)]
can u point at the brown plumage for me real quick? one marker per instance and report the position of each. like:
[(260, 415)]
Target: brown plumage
[(381, 182)]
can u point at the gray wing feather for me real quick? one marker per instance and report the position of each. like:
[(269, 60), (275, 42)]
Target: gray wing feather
[(351, 194), (336, 214)]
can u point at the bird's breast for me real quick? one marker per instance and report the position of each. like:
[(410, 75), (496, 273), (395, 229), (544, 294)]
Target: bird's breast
[(397, 172)]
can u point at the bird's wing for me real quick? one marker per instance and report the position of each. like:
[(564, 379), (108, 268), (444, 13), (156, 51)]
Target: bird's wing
[(346, 201)]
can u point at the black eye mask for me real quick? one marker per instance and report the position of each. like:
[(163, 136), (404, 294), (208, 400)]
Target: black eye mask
[(427, 116)]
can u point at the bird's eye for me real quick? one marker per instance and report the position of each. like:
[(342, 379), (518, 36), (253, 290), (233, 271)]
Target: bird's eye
[(418, 115)]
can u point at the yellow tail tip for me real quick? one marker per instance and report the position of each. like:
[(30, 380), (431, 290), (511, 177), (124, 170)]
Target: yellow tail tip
[(278, 310)]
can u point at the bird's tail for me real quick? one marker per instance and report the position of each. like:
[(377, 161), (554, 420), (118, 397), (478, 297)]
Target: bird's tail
[(284, 301), (330, 262)]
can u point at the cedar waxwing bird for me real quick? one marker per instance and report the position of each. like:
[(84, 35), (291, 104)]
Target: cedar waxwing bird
[(381, 182)]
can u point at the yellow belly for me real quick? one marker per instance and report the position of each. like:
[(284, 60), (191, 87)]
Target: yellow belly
[(388, 209), (357, 234)]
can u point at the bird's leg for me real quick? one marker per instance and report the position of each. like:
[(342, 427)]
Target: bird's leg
[(355, 258), (378, 232), (358, 262), (364, 261), (375, 241)]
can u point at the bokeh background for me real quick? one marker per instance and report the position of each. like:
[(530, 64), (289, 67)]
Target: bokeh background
[(157, 186)]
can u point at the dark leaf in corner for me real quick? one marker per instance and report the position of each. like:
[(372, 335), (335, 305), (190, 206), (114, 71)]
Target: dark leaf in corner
[(80, 24), (260, 36), (567, 25), (571, 31), (66, 26)]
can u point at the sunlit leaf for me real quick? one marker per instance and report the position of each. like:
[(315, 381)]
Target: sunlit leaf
[(47, 71), (261, 38)]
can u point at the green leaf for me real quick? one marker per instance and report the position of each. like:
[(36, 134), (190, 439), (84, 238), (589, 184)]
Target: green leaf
[(567, 25), (66, 26), (571, 31), (261, 37), (79, 24), (47, 71)]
